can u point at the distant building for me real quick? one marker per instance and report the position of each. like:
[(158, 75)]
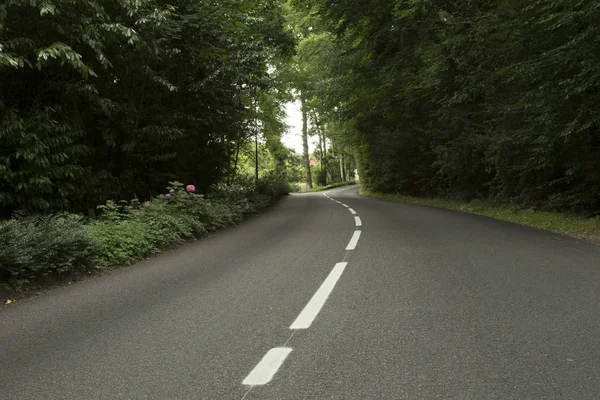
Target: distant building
[(313, 161)]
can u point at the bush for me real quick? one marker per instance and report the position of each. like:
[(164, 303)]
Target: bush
[(273, 186), (219, 215), (122, 241), (34, 247), (165, 224), (129, 231), (126, 231), (259, 201)]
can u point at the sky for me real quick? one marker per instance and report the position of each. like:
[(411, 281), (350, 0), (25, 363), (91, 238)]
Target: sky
[(293, 137)]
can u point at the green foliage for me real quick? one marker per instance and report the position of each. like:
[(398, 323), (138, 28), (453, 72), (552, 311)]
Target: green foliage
[(126, 231), (130, 231), (311, 72), (470, 100), (110, 99), (273, 186), (33, 247), (169, 222), (122, 241)]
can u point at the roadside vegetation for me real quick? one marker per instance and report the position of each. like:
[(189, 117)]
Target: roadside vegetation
[(102, 101), (34, 247), (492, 101), (573, 225)]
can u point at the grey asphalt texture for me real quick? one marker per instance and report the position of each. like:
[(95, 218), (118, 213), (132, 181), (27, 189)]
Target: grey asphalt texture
[(434, 304)]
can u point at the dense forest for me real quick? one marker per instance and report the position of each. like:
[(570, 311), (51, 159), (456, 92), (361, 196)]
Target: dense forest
[(495, 100), (112, 99)]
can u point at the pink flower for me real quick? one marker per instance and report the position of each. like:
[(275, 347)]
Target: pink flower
[(190, 188), (147, 204), (172, 191), (168, 195)]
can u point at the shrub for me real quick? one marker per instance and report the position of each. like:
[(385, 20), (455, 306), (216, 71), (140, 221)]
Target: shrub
[(217, 215), (273, 185), (235, 192), (33, 247), (122, 241), (259, 201), (282, 189), (127, 231), (166, 225)]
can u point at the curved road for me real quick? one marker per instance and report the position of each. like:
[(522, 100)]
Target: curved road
[(424, 303)]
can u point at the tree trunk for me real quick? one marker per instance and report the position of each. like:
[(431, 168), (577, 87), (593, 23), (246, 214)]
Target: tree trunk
[(305, 141), (322, 148), (235, 164), (255, 136), (324, 161), (256, 154), (342, 174), (347, 170)]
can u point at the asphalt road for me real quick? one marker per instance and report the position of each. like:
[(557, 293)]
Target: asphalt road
[(426, 304)]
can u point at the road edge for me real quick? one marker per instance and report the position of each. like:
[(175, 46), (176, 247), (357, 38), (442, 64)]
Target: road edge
[(587, 230)]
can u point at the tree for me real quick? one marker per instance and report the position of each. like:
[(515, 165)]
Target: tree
[(495, 100), (112, 99)]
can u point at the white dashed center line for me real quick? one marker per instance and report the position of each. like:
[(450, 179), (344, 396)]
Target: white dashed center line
[(267, 367), (353, 241), (310, 311)]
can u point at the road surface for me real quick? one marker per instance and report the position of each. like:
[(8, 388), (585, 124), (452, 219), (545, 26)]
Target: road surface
[(325, 296)]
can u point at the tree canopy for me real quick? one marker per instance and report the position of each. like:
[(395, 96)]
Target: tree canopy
[(111, 99), (492, 99)]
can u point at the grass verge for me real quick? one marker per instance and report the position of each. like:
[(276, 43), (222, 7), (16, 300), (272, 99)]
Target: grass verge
[(587, 229), (332, 186)]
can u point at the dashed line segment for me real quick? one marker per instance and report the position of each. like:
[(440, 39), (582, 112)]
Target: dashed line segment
[(312, 308), (267, 367), (272, 361)]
